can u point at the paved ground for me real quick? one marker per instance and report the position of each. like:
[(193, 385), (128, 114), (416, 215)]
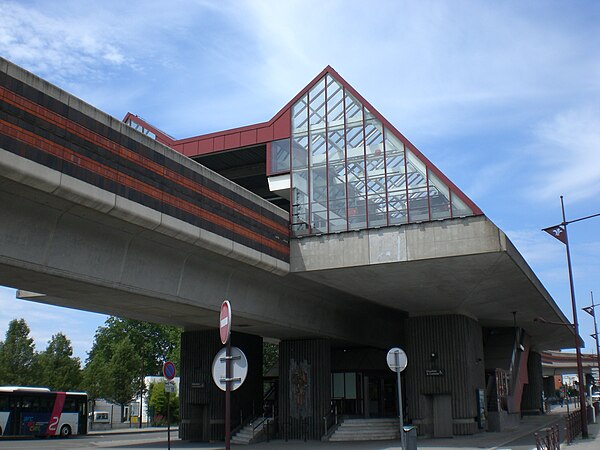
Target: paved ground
[(520, 438)]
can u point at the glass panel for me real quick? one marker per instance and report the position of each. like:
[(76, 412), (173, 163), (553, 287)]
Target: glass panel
[(375, 164), (337, 197), (418, 206), (280, 156), (377, 210), (335, 145), (460, 208), (338, 385), (392, 143), (373, 137), (376, 185), (317, 149), (318, 199), (300, 115), (353, 110), (350, 379), (415, 171), (316, 110), (395, 164), (354, 143), (300, 202), (300, 152), (357, 217), (439, 197), (397, 211), (335, 104)]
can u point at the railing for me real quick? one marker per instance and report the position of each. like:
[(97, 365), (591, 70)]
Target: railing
[(549, 442), (573, 425), (502, 388), (330, 420)]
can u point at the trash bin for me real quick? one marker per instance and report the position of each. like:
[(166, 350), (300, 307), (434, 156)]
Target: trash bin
[(410, 437)]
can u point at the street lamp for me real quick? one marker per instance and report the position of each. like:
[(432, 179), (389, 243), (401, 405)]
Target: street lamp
[(591, 310), (560, 232)]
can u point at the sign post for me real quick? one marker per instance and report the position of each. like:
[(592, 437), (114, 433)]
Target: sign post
[(169, 373), (397, 361), (225, 333)]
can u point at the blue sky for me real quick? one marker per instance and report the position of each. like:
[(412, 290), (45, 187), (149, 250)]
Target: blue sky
[(504, 97)]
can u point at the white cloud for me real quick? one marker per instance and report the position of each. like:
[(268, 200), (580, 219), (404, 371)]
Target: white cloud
[(568, 154)]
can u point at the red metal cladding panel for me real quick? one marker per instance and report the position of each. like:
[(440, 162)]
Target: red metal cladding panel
[(265, 134), (177, 148), (247, 138), (232, 140), (219, 143), (190, 148), (205, 146), (282, 126)]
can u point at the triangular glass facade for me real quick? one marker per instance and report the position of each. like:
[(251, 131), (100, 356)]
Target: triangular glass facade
[(350, 172)]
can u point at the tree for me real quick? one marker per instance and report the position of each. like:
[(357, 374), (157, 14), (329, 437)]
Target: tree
[(150, 345), (122, 371), (154, 343), (56, 368), (17, 355), (157, 404)]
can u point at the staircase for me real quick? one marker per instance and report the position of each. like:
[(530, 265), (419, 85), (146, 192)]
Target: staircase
[(366, 430), (251, 433)]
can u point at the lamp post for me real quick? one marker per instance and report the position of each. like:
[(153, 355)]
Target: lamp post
[(560, 232), (591, 310)]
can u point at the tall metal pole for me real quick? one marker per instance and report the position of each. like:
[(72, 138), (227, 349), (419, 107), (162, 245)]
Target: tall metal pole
[(228, 395), (596, 333), (582, 404), (169, 420), (400, 412)]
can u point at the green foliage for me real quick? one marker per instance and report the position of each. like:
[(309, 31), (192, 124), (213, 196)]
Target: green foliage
[(270, 356), (154, 343), (17, 355), (157, 405), (123, 373), (56, 367), (124, 351)]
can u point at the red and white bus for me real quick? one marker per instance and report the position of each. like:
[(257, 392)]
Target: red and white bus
[(33, 411)]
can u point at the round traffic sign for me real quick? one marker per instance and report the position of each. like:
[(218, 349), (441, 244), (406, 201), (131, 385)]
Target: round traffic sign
[(169, 370), (225, 322), (239, 368), (396, 359)]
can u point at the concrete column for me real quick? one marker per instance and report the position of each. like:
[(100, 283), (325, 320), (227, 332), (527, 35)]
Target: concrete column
[(202, 403), (304, 387), (445, 370), (532, 391)]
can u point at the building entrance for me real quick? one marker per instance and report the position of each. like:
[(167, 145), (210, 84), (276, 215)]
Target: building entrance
[(356, 394)]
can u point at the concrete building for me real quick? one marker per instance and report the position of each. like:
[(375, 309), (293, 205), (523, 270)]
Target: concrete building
[(326, 229)]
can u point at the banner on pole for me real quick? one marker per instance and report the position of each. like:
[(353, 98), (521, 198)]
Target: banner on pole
[(557, 231), (589, 310)]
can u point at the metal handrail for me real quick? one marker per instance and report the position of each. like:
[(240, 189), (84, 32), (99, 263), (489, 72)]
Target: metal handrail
[(330, 420)]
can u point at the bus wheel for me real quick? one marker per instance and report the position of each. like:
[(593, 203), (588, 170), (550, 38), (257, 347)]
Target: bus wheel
[(65, 431)]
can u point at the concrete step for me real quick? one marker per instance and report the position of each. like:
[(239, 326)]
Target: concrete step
[(366, 430)]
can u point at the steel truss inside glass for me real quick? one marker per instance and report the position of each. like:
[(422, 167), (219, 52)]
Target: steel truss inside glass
[(350, 172)]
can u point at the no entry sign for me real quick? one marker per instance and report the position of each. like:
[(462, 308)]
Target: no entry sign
[(225, 322)]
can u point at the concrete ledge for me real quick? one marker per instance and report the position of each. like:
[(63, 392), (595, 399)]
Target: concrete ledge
[(411, 242)]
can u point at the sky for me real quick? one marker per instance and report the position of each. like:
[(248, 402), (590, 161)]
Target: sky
[(503, 97)]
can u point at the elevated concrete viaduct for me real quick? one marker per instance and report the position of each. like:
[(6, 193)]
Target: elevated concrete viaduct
[(370, 246)]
